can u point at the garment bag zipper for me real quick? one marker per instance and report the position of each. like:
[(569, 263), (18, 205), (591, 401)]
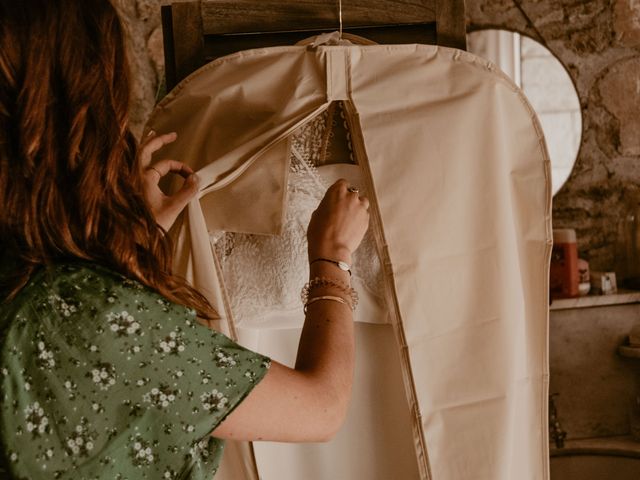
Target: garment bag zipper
[(359, 152)]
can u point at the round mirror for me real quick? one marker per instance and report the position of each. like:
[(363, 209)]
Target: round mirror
[(547, 86)]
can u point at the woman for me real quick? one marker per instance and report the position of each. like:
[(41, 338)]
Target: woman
[(105, 371)]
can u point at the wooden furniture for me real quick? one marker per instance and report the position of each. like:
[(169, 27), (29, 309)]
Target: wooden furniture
[(197, 32)]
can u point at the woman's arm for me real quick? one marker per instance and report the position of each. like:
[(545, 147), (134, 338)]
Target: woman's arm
[(309, 402)]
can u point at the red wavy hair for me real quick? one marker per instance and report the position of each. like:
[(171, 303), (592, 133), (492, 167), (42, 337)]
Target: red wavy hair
[(70, 180)]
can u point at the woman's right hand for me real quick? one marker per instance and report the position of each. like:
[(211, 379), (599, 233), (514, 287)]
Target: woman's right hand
[(323, 375), (339, 223)]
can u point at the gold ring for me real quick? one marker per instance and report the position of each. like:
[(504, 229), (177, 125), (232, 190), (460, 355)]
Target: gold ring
[(353, 189), (156, 170)]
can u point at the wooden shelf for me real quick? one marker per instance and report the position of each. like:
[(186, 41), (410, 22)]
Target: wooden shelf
[(629, 352), (622, 445), (589, 301)]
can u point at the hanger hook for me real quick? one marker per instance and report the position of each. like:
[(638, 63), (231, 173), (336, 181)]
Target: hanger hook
[(340, 16)]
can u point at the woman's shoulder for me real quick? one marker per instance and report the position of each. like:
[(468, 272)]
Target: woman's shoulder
[(88, 278), (75, 276), (74, 289)]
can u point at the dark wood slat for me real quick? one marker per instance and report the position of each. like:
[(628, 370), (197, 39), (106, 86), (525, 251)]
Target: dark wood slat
[(257, 16), (451, 24), (183, 40), (220, 45), (237, 25)]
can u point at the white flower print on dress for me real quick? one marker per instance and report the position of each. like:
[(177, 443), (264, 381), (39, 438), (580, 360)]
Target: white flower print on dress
[(63, 306), (188, 428), (141, 382), (45, 358), (251, 375), (71, 387), (164, 303), (224, 361), (127, 282), (200, 449), (140, 451), (103, 374), (160, 397), (169, 474), (172, 344), (37, 422), (122, 323), (96, 371), (81, 441), (205, 377), (214, 400)]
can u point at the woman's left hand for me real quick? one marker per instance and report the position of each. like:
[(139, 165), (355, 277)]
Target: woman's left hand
[(165, 208)]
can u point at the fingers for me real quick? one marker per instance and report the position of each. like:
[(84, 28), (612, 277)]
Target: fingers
[(345, 189), (187, 191), (152, 143), (339, 186), (176, 202), (166, 208), (164, 167), (339, 223)]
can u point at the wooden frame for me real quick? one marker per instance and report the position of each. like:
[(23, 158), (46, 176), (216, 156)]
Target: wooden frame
[(197, 32)]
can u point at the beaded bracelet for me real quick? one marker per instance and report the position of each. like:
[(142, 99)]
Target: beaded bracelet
[(328, 282)]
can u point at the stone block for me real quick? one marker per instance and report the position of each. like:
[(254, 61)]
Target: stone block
[(141, 19), (619, 90), (626, 22), (155, 50)]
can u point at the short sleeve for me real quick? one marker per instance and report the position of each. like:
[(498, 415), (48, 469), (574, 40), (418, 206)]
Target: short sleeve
[(121, 371), (142, 349)]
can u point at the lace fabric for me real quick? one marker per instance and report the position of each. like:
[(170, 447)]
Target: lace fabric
[(263, 274)]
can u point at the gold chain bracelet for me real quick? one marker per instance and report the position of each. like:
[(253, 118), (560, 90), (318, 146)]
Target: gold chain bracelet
[(327, 297), (318, 282)]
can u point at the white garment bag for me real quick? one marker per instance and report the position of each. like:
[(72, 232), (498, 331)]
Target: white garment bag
[(454, 162)]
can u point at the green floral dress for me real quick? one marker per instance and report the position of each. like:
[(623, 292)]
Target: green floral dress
[(102, 378)]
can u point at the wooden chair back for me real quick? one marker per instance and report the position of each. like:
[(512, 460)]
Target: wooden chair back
[(196, 32)]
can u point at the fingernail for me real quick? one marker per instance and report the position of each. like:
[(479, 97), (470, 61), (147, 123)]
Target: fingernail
[(194, 179)]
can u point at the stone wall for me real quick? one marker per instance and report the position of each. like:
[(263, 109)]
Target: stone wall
[(599, 43), (142, 22)]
